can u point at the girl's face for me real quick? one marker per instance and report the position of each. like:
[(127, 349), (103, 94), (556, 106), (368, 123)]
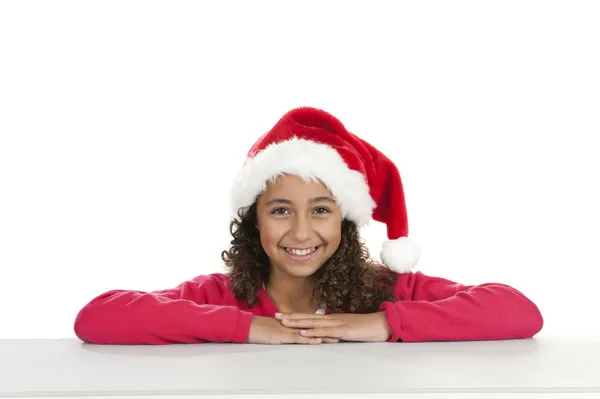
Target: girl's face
[(299, 224)]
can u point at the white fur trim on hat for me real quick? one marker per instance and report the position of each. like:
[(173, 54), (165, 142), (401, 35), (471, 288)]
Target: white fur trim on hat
[(308, 160), (400, 255)]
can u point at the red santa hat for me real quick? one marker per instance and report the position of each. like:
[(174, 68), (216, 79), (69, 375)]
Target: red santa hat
[(313, 144)]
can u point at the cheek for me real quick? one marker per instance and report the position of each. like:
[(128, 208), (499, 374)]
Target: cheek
[(270, 235), (336, 237), (331, 232)]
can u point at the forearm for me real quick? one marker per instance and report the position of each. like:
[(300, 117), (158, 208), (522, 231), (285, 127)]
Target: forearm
[(485, 312), (130, 317)]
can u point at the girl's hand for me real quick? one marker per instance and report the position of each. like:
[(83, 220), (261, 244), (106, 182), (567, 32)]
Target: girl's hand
[(266, 330), (344, 327)]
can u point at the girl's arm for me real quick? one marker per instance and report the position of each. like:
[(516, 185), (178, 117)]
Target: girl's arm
[(193, 312), (436, 309)]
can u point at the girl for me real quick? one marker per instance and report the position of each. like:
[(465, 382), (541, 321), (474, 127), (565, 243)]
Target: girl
[(297, 270)]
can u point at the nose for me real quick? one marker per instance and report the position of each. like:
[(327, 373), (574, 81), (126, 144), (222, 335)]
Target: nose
[(301, 228)]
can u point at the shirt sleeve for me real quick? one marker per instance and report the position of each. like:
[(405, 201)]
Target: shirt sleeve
[(436, 309), (193, 312)]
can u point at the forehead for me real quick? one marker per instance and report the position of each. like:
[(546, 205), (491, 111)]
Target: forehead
[(292, 187)]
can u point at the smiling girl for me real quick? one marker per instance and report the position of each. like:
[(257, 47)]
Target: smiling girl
[(297, 269)]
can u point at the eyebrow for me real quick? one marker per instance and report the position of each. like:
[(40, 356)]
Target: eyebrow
[(286, 201)]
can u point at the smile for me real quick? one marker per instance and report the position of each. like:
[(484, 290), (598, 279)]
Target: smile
[(301, 254)]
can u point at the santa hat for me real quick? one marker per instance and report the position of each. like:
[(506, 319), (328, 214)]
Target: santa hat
[(311, 143)]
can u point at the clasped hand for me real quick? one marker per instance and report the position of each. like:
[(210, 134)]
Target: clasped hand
[(308, 328)]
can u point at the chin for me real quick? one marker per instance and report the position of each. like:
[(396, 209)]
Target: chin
[(301, 268), (299, 271)]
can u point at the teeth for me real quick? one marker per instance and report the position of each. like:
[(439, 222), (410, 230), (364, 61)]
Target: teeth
[(301, 252)]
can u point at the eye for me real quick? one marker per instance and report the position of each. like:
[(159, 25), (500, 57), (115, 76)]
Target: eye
[(279, 211), (322, 210)]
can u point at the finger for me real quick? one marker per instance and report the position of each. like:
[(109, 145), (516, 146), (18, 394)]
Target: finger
[(327, 332), (311, 323), (330, 340), (299, 339), (294, 338), (294, 316)]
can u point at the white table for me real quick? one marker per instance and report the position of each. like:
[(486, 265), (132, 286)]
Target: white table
[(67, 368)]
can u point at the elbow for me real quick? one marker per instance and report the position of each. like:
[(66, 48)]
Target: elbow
[(510, 314), (92, 322), (534, 320), (83, 327), (528, 317)]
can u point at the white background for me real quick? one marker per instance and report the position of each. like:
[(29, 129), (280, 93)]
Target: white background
[(122, 124)]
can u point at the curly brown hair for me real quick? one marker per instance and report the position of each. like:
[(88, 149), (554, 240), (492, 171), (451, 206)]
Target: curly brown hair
[(348, 282)]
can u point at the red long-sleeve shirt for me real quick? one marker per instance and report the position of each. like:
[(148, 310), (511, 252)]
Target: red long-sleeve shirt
[(204, 309)]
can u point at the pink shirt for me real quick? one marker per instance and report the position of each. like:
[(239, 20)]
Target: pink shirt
[(204, 309)]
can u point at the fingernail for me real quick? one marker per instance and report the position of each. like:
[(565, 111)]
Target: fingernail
[(277, 314), (302, 332)]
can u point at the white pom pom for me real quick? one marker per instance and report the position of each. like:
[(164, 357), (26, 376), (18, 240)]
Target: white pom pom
[(400, 255)]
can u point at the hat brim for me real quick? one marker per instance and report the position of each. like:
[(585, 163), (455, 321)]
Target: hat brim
[(308, 160)]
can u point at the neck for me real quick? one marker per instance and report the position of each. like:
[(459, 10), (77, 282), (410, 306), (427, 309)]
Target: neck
[(291, 294)]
